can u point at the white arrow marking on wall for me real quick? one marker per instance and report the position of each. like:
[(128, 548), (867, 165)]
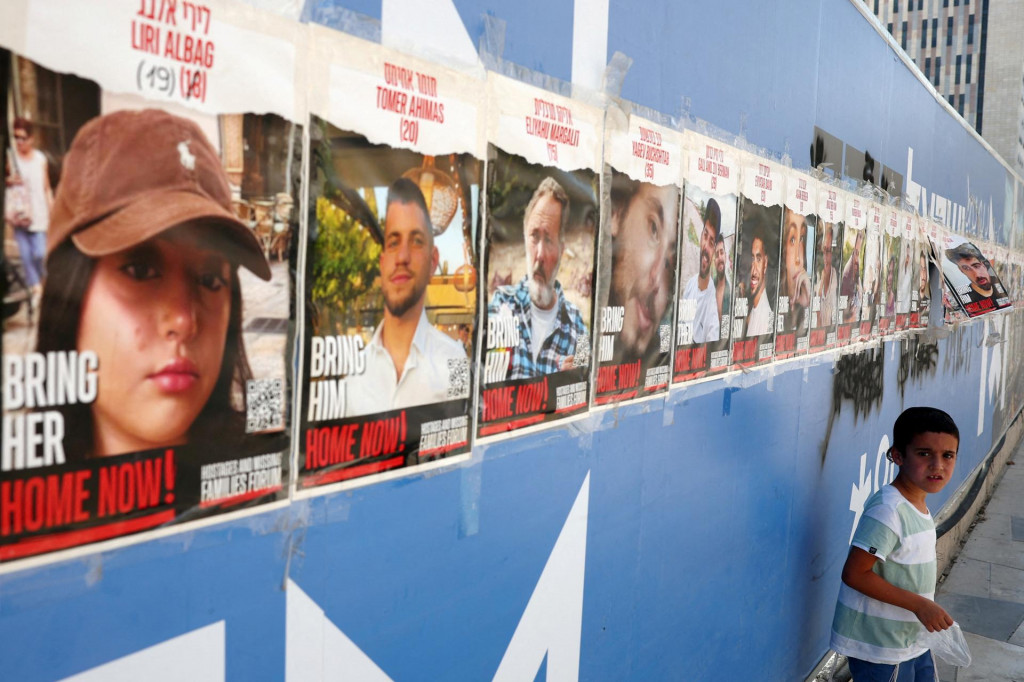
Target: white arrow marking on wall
[(197, 656), (316, 649), (552, 623)]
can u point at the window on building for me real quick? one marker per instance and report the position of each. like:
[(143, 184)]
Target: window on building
[(957, 77), (968, 79), (956, 3), (888, 28), (895, 6), (924, 34), (903, 37), (970, 30), (951, 100), (920, 5), (949, 31), (945, 3), (938, 70), (935, 31), (876, 8), (960, 105), (928, 68)]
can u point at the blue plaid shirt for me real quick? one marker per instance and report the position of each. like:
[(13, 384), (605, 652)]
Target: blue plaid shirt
[(568, 335)]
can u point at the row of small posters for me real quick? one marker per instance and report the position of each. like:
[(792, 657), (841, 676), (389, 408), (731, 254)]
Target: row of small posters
[(149, 380)]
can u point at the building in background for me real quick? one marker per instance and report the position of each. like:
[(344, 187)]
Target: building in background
[(972, 53)]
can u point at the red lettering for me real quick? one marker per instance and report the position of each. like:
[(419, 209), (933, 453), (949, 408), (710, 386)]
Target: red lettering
[(498, 403), (10, 507), (65, 495), (35, 499), (743, 351), (530, 397), (381, 437), (682, 362), (129, 486), (607, 378), (629, 375), (126, 489), (330, 445), (108, 488)]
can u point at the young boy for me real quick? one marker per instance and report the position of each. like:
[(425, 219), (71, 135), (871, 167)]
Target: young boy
[(889, 576)]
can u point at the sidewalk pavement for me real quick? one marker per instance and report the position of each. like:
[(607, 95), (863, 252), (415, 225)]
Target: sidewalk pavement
[(984, 590)]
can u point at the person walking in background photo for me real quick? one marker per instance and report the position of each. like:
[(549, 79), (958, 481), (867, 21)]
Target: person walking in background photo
[(29, 216)]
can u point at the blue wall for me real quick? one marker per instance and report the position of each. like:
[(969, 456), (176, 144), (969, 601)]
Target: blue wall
[(718, 517), (715, 531)]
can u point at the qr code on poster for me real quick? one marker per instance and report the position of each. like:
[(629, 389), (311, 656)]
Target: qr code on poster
[(264, 405), (665, 338), (458, 377), (581, 358)]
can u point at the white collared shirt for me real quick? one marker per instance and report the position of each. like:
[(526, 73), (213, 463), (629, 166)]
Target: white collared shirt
[(706, 321), (760, 320), (425, 378)]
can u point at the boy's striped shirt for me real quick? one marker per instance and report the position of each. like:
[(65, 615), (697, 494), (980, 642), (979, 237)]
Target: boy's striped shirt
[(903, 539)]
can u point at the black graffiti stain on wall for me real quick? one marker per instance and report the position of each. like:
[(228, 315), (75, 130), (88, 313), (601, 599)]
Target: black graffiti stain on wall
[(858, 378), (836, 157), (918, 359), (960, 348)]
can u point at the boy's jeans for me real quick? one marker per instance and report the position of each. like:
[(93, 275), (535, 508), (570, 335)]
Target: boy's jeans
[(920, 669)]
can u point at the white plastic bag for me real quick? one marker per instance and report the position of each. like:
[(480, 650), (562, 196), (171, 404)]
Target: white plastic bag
[(948, 644)]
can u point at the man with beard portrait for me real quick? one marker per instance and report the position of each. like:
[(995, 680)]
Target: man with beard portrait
[(407, 360), (550, 327), (643, 229), (706, 322)]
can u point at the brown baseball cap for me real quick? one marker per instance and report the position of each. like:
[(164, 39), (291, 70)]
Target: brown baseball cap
[(130, 175)]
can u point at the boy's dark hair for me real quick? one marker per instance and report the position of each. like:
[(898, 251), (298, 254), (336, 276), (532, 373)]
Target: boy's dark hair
[(915, 420)]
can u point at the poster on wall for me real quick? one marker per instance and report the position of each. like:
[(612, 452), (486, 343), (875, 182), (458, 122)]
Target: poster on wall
[(148, 320), (952, 311), (757, 262), (905, 271), (1016, 286), (888, 264), (870, 279), (828, 252), (542, 218), (850, 284), (796, 263), (637, 264), (973, 284), (707, 250), (920, 302), (1011, 279), (391, 266)]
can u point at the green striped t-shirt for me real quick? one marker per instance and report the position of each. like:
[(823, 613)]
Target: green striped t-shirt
[(903, 539)]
